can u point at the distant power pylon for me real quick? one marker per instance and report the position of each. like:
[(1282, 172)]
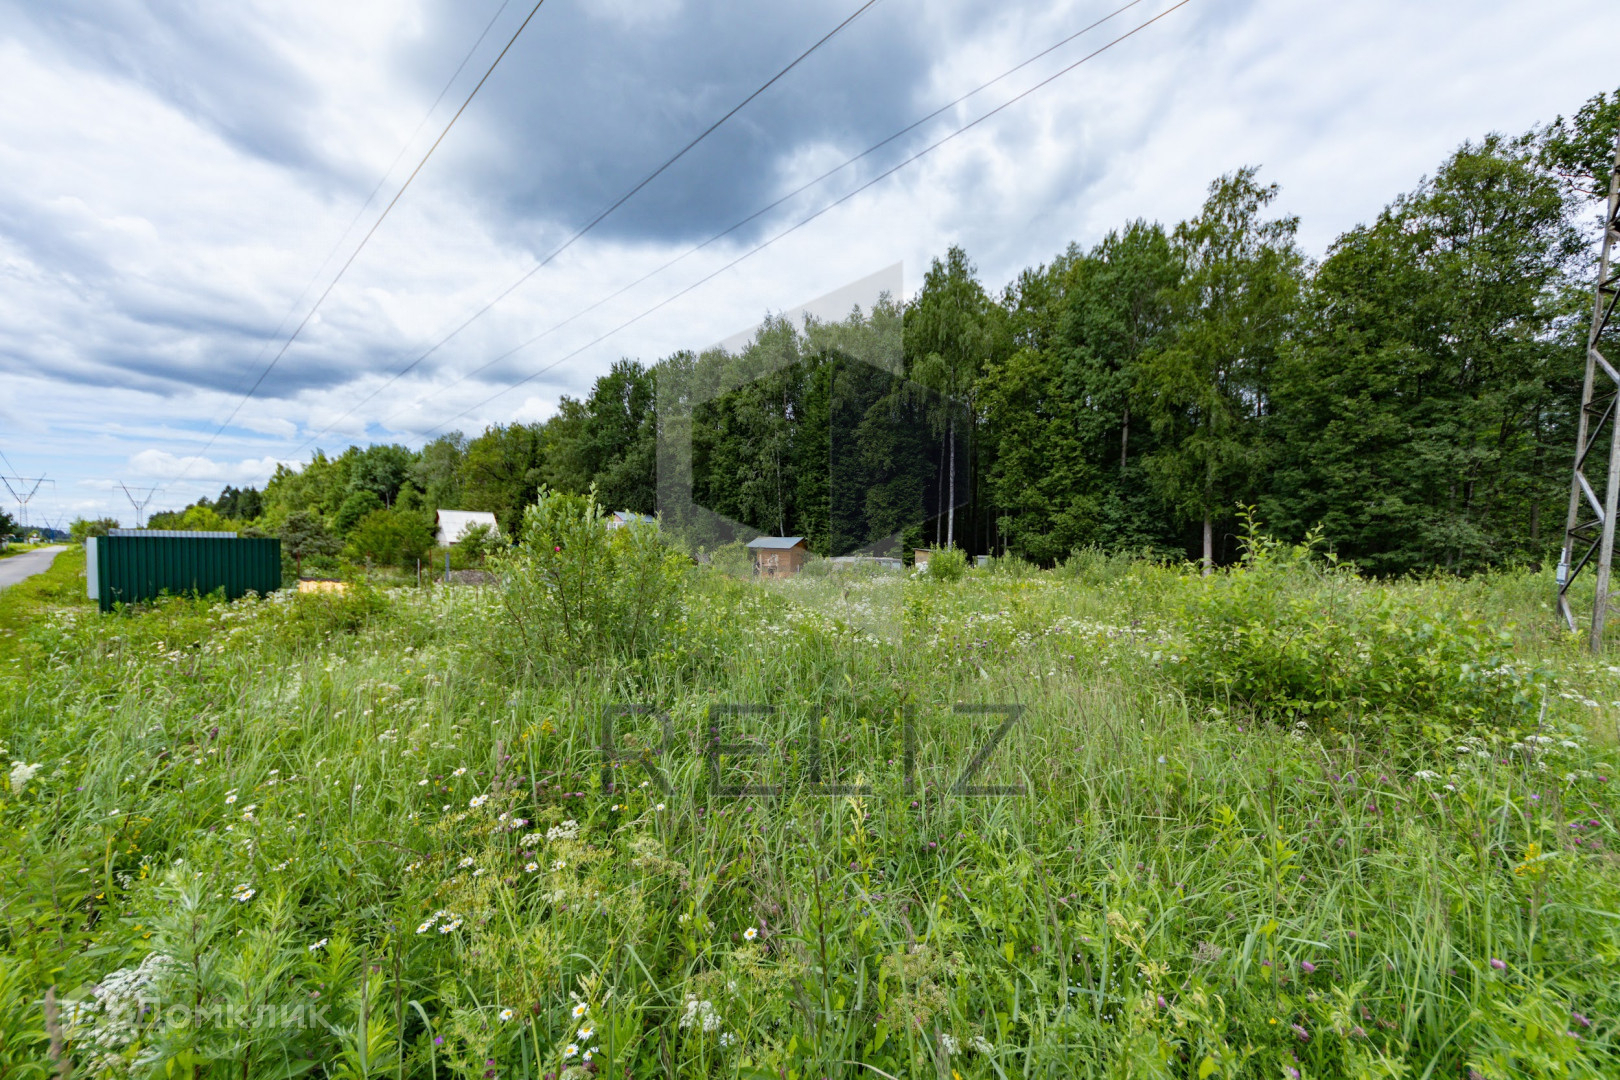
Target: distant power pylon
[(1586, 537), (138, 503), (16, 484)]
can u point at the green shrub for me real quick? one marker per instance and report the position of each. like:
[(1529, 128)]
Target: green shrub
[(949, 564), (477, 544), (1095, 566), (733, 559), (1292, 637), (391, 538), (577, 592)]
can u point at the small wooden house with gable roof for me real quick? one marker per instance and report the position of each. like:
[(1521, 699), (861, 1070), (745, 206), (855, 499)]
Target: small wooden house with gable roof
[(778, 556)]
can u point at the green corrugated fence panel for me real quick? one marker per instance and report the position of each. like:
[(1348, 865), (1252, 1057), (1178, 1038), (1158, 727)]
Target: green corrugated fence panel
[(136, 568)]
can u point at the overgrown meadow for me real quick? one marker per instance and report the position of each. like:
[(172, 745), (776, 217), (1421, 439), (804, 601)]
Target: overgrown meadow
[(624, 816)]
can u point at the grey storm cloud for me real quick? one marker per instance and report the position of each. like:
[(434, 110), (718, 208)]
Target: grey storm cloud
[(583, 107), (207, 59), (589, 106)]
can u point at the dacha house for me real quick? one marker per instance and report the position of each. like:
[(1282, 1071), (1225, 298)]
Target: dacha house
[(778, 556), (455, 524)]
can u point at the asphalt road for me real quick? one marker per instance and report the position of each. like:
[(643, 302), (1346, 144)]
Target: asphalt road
[(29, 563)]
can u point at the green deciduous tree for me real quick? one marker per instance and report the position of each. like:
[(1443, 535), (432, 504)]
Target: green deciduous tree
[(391, 537), (1207, 390), (1424, 418), (953, 329), (502, 472), (305, 536)]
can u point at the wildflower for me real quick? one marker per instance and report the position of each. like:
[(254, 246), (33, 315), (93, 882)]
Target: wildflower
[(425, 927), (727, 1039), (699, 1014), (318, 946), (570, 1050), (566, 831), (587, 1055), (478, 872), (558, 865), (1297, 1029), (531, 867), (243, 893), (948, 1043), (581, 1010), (751, 933), (506, 1014), (659, 807), (476, 801), (460, 772), (231, 798), (450, 927), (983, 1045), (1307, 967), (21, 773), (422, 782), (1426, 774)]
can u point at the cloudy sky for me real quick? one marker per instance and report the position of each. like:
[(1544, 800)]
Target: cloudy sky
[(179, 181)]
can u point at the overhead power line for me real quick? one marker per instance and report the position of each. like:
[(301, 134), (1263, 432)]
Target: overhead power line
[(275, 334), (593, 223), (367, 237), (756, 249), (727, 231)]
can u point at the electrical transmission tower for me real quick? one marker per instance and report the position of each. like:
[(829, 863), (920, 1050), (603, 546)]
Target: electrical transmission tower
[(16, 484), (138, 503), (1594, 535)]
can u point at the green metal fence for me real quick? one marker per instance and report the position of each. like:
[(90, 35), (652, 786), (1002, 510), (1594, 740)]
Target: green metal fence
[(130, 565)]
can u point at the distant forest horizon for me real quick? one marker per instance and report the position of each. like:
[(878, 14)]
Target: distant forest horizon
[(1411, 397)]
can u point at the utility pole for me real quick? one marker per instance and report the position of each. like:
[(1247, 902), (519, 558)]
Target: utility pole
[(1584, 536), (138, 504), (16, 484)]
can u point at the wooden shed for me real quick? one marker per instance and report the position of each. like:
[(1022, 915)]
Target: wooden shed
[(778, 556)]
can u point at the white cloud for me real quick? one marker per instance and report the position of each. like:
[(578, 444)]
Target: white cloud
[(162, 465)]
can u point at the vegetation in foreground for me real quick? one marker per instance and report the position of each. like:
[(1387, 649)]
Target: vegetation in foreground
[(1278, 822)]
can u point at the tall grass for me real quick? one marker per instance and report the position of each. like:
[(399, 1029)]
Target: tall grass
[(359, 842)]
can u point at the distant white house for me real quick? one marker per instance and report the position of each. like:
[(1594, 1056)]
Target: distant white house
[(454, 524), (618, 519)]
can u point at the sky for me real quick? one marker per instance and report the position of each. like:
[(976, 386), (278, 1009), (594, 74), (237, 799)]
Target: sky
[(180, 183)]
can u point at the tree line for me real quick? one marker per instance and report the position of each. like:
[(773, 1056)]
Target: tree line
[(1413, 395)]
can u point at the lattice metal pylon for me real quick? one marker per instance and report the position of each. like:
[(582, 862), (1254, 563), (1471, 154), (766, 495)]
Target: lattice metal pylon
[(1594, 536)]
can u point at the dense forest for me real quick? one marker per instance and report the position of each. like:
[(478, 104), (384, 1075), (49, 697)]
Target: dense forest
[(1412, 395)]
